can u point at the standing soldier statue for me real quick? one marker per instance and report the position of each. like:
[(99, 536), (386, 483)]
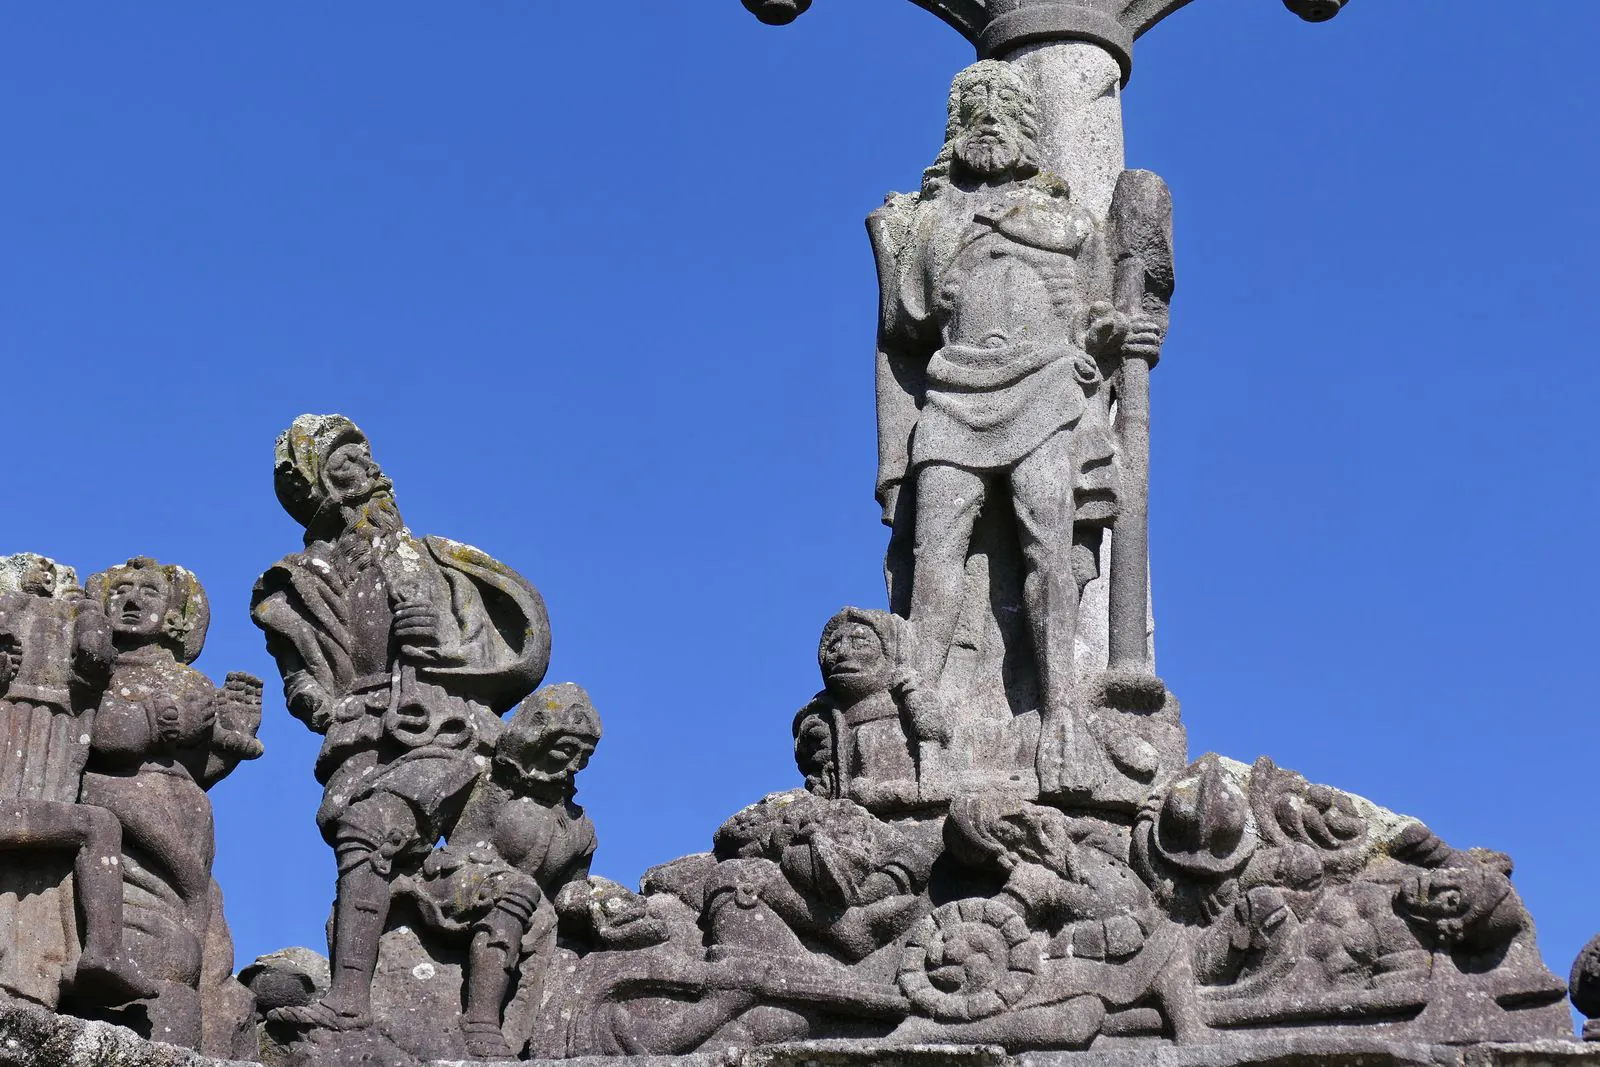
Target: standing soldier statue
[(402, 652)]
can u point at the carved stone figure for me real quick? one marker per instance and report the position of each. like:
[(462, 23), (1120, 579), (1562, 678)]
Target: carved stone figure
[(56, 654), (869, 726), (402, 652), (111, 741), (997, 345), (1314, 906), (163, 735), (1231, 897), (519, 842)]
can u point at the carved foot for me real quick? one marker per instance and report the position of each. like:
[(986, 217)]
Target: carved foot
[(485, 1041), (111, 979), (319, 1017)]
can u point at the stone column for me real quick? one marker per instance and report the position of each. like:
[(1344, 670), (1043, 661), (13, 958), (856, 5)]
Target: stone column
[(1079, 85), (1079, 88)]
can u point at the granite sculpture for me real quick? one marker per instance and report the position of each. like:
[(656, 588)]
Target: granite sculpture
[(111, 741), (1001, 845), (403, 653), (997, 347), (1001, 840)]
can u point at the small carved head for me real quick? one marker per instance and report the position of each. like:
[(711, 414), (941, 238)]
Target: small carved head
[(150, 603), (323, 463), (549, 739), (36, 575), (858, 653), (993, 126), (1471, 906), (813, 746)]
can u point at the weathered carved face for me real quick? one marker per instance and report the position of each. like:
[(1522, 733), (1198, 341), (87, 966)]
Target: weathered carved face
[(138, 604), (544, 759), (989, 113), (351, 476), (854, 661), (813, 749), (40, 579)]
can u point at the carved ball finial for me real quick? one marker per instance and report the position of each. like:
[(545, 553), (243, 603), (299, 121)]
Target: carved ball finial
[(1315, 10), (777, 12)]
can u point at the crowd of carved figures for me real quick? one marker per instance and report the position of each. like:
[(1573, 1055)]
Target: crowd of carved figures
[(999, 840), (109, 740)]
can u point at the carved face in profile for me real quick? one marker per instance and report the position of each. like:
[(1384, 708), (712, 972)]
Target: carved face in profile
[(351, 476), (549, 740), (990, 111), (552, 758), (137, 604), (854, 662)]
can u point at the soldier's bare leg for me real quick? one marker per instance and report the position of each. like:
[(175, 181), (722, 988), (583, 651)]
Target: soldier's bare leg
[(948, 501), (1042, 495)]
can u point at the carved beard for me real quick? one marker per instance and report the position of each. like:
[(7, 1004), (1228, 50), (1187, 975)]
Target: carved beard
[(989, 153), (365, 524), (376, 516)]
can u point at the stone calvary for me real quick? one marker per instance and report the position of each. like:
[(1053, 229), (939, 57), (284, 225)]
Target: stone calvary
[(1000, 843)]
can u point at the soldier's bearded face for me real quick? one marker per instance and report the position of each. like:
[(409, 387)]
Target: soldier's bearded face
[(352, 476)]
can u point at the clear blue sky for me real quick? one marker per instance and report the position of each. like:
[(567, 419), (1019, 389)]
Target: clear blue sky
[(599, 290)]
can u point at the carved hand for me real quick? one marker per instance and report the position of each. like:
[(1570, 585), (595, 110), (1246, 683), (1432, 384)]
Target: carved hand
[(416, 625), (1106, 331), (889, 498), (307, 701), (1143, 340), (239, 716)]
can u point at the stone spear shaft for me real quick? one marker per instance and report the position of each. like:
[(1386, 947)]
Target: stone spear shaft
[(1141, 240)]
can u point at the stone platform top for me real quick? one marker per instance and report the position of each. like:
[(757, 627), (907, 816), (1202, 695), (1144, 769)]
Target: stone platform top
[(30, 1037)]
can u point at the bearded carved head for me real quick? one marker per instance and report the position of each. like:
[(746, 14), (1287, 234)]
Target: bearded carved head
[(323, 469), (549, 740), (992, 132)]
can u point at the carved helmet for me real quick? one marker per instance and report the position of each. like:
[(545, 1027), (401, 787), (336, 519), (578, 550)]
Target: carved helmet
[(298, 456)]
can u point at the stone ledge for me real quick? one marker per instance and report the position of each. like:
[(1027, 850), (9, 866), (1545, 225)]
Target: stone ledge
[(32, 1037)]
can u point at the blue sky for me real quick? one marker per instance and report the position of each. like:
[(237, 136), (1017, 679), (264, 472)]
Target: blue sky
[(598, 289)]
